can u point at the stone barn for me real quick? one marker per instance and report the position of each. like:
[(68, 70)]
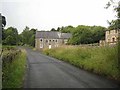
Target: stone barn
[(50, 39), (111, 37)]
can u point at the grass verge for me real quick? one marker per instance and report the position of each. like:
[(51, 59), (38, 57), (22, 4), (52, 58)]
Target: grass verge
[(100, 60), (14, 72)]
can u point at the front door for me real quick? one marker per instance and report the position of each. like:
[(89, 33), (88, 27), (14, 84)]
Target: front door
[(49, 46), (41, 43)]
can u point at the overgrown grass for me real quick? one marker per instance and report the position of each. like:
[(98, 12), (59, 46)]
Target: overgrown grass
[(100, 60), (14, 71)]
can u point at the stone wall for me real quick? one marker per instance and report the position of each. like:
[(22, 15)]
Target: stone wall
[(111, 36), (37, 43), (41, 43), (102, 43)]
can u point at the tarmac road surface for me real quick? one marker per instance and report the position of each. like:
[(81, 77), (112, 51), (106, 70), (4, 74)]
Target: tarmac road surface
[(47, 72)]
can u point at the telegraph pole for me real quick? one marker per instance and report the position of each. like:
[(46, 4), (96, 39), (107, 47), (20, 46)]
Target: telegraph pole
[(0, 51), (2, 25)]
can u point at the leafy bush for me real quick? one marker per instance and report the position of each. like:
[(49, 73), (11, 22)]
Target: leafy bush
[(9, 53)]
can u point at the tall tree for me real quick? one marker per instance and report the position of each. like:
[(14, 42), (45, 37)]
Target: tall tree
[(10, 36), (87, 34), (67, 29), (28, 36), (53, 29), (114, 24), (25, 35), (58, 29)]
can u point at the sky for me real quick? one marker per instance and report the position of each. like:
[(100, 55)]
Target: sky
[(47, 14)]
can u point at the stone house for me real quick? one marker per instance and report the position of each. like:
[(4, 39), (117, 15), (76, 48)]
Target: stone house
[(50, 39), (111, 37)]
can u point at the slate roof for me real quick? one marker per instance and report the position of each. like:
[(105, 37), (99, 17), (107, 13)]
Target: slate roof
[(52, 35)]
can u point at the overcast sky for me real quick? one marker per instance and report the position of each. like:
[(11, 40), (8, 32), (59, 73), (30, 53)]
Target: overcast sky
[(47, 14)]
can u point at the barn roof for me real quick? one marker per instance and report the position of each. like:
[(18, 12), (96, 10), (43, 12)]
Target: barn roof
[(52, 34)]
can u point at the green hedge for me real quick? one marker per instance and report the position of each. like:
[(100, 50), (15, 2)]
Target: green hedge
[(14, 64), (9, 54)]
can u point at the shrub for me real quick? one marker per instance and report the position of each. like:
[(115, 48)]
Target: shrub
[(13, 72)]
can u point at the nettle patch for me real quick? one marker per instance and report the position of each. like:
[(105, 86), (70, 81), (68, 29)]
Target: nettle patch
[(9, 54)]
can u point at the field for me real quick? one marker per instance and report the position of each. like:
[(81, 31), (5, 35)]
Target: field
[(14, 62), (100, 60)]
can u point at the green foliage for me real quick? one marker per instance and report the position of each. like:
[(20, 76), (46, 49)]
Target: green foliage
[(84, 34), (114, 24), (67, 29), (10, 40), (7, 47), (101, 60), (9, 53), (58, 29), (10, 36), (53, 29), (13, 72), (28, 36)]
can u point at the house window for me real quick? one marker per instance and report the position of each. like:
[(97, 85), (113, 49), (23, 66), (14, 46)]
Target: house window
[(113, 39), (46, 41), (50, 40), (109, 31), (56, 40), (41, 40), (115, 31), (53, 40)]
